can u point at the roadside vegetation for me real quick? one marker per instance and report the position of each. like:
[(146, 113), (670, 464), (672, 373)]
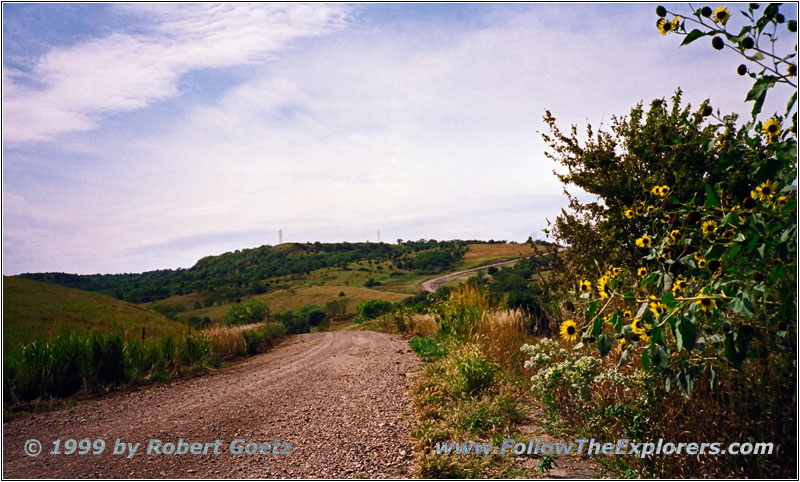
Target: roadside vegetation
[(676, 302), (79, 363), (671, 315)]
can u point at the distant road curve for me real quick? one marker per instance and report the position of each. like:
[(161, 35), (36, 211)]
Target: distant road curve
[(433, 284)]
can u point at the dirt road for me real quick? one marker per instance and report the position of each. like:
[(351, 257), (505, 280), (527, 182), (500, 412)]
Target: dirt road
[(433, 284), (339, 398)]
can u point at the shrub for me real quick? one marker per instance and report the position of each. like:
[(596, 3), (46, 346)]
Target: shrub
[(372, 309), (426, 347), (248, 312)]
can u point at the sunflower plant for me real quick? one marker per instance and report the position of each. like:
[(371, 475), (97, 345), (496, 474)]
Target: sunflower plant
[(712, 283)]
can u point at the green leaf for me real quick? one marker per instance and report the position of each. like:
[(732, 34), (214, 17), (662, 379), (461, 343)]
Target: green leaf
[(668, 299), (712, 200), (591, 310), (642, 310), (604, 344), (686, 334), (623, 359), (714, 252), (735, 349), (692, 36), (657, 356), (790, 105), (578, 346), (646, 361), (761, 85), (597, 327), (649, 279), (686, 379)]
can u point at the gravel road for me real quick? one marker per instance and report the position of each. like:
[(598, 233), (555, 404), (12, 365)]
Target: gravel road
[(433, 284), (340, 399)]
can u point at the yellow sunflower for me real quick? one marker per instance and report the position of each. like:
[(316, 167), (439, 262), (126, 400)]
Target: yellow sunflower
[(772, 128), (664, 190), (644, 242), (569, 331), (765, 191), (601, 287), (721, 15), (780, 202), (585, 286), (705, 303), (641, 272), (679, 285), (665, 26), (709, 227), (701, 263), (622, 343), (658, 308), (629, 213), (627, 314)]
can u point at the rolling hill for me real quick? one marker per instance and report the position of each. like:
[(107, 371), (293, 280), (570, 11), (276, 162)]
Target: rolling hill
[(39, 310)]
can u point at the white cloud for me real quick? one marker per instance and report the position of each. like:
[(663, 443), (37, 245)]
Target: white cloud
[(72, 88), (419, 133)]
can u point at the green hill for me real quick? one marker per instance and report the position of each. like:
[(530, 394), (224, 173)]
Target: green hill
[(38, 310)]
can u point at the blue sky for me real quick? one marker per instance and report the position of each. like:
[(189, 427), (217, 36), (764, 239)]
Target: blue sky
[(145, 136)]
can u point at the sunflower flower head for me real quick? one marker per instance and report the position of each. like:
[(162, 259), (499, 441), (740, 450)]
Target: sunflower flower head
[(601, 287), (765, 191), (585, 286), (772, 128), (644, 242), (629, 213), (569, 331), (721, 15), (627, 314), (666, 26), (658, 308), (780, 202), (679, 284), (709, 227), (705, 303), (641, 272)]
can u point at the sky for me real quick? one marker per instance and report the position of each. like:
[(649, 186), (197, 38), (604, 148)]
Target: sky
[(146, 136)]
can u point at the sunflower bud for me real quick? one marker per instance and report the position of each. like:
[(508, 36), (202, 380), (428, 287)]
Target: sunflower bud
[(706, 11), (666, 203), (714, 265), (780, 18), (717, 43), (742, 69), (748, 43), (661, 11), (749, 203), (754, 6), (758, 276), (707, 111), (792, 25), (692, 218)]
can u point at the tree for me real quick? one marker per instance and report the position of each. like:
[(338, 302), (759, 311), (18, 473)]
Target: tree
[(250, 311)]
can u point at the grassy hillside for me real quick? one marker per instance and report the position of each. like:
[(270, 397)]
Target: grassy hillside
[(38, 310), (292, 298), (479, 254)]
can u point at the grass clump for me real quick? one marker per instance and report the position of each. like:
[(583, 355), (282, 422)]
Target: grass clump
[(426, 347), (72, 363)]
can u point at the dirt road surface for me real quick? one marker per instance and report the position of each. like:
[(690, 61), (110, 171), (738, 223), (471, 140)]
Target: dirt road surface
[(433, 284), (340, 399)]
